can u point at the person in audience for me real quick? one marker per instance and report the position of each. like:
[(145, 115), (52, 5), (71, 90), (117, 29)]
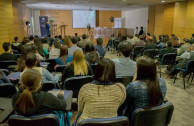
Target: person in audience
[(61, 39), (148, 36), (184, 47), (146, 90), (91, 56), (3, 78), (99, 47), (149, 45), (102, 97), (174, 41), (125, 66), (79, 67), (45, 43), (16, 45), (31, 101), (31, 38), (192, 39), (184, 58), (110, 42), (78, 38), (160, 39), (154, 39), (67, 42), (31, 63), (25, 40), (55, 49), (74, 46), (64, 58), (168, 49), (141, 31), (51, 40), (8, 54), (162, 44), (40, 49), (83, 42), (140, 42), (136, 38), (119, 37), (25, 50), (130, 40)]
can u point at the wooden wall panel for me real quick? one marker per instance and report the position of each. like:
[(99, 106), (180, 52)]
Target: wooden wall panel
[(159, 20), (151, 19)]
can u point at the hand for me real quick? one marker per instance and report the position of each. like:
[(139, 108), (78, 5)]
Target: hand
[(134, 78), (61, 93)]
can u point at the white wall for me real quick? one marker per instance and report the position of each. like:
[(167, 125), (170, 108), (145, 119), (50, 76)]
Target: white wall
[(136, 18), (36, 23)]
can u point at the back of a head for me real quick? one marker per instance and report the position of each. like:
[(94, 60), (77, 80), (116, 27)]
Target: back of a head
[(148, 34), (6, 46), (25, 50), (169, 43), (99, 41), (125, 48), (137, 35), (105, 71), (63, 51), (193, 35), (89, 48), (67, 41), (30, 82), (172, 35), (186, 40), (60, 37), (141, 37), (124, 38), (31, 38), (151, 39), (76, 34), (15, 39), (30, 60), (80, 66), (84, 36), (141, 28), (147, 72), (130, 36), (74, 40), (49, 35), (57, 43)]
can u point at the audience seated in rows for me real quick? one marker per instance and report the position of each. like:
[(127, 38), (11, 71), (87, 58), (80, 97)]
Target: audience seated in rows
[(192, 39), (131, 40), (74, 46), (168, 49), (136, 38), (8, 54), (102, 97), (51, 40), (83, 42), (31, 63), (40, 49), (64, 58), (3, 78), (55, 49), (16, 45), (78, 38), (100, 48), (30, 101), (149, 45), (31, 40), (162, 44), (184, 58), (67, 42), (45, 43), (79, 67), (140, 42), (175, 40), (146, 90), (125, 66), (184, 47), (91, 56)]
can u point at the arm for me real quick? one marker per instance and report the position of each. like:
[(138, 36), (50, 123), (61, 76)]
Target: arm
[(49, 76), (45, 51)]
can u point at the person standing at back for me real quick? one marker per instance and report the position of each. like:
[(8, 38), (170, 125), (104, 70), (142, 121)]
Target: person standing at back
[(82, 44), (74, 46), (8, 54), (141, 31)]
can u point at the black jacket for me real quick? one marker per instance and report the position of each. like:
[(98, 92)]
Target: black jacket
[(164, 51)]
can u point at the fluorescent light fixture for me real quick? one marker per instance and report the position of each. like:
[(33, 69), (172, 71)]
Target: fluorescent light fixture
[(163, 1)]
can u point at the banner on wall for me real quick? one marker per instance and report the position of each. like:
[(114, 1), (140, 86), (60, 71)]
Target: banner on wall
[(43, 20)]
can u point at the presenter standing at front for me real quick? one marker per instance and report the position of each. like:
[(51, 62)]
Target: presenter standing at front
[(47, 28)]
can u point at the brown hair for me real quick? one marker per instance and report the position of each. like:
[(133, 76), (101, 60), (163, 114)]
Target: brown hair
[(67, 41), (146, 72), (80, 66), (30, 82), (63, 53), (30, 60)]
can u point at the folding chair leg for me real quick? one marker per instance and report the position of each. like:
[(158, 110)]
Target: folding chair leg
[(192, 78), (175, 78), (189, 77), (184, 82), (160, 71)]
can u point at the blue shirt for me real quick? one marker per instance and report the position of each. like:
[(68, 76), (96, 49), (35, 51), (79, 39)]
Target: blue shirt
[(100, 50), (69, 59)]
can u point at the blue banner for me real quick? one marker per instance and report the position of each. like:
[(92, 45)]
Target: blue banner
[(43, 20)]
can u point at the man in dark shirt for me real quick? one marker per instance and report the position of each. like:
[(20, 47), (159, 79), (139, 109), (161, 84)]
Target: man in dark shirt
[(8, 54), (141, 31), (16, 45), (99, 47), (150, 45)]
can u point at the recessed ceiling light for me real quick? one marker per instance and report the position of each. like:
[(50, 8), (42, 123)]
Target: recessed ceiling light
[(163, 1)]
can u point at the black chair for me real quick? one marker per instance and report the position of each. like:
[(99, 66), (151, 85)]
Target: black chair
[(48, 85), (7, 90), (93, 67), (5, 64), (157, 116), (167, 59), (150, 53), (51, 65), (40, 120), (136, 51), (125, 79), (115, 121), (187, 71), (5, 71), (60, 68), (75, 84), (18, 55)]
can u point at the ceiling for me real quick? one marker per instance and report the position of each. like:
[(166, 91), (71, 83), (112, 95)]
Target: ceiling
[(92, 4)]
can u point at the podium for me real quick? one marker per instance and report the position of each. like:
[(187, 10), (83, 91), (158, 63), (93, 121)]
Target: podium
[(62, 29)]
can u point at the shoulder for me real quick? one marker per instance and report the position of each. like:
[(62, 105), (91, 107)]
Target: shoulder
[(162, 81), (121, 86)]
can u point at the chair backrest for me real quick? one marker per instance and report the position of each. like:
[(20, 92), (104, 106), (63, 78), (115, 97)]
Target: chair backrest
[(124, 79), (51, 65), (150, 53), (7, 90), (40, 120), (93, 67), (18, 55), (48, 85), (5, 64), (190, 66), (75, 83), (137, 50), (157, 116), (60, 68), (5, 71), (168, 58), (115, 121)]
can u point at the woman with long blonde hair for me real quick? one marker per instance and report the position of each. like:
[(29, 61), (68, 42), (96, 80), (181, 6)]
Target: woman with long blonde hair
[(79, 67)]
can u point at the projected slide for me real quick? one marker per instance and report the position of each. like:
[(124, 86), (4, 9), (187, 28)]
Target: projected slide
[(81, 18)]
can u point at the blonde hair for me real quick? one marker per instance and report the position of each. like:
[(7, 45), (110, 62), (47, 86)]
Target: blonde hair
[(80, 66)]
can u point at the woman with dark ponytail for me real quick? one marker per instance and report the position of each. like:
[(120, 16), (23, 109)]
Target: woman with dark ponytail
[(30, 101), (146, 90)]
